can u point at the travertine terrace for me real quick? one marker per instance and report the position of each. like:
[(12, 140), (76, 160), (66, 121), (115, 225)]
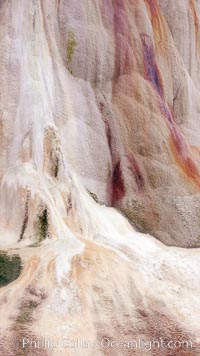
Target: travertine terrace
[(99, 175)]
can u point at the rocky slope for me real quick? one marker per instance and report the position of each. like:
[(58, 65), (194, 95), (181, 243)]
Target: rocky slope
[(99, 112)]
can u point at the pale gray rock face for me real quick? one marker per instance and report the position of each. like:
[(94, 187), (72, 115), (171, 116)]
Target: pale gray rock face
[(100, 175)]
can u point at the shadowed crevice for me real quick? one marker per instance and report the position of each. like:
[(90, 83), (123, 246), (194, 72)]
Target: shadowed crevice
[(25, 222)]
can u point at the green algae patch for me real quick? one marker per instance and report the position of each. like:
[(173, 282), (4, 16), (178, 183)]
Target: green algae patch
[(43, 225), (95, 198), (71, 44), (10, 268)]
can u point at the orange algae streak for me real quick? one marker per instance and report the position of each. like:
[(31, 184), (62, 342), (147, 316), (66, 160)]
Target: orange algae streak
[(196, 22), (185, 161), (156, 18), (180, 147)]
